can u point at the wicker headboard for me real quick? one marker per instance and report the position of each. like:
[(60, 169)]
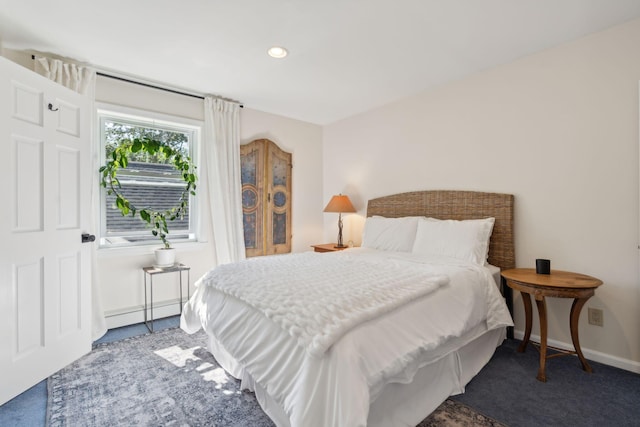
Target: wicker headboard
[(443, 204)]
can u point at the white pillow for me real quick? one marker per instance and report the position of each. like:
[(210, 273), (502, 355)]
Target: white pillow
[(390, 234), (466, 240)]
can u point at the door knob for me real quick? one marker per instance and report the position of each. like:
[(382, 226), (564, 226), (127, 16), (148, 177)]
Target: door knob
[(87, 238)]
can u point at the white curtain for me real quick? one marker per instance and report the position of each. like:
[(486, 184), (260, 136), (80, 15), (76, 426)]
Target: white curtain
[(83, 80), (75, 77), (222, 157)]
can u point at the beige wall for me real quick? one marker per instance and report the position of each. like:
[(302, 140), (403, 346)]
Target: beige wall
[(558, 129)]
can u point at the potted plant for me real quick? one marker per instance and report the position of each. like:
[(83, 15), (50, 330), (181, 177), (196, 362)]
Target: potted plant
[(155, 219)]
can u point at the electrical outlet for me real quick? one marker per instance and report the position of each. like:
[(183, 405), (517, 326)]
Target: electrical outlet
[(596, 317)]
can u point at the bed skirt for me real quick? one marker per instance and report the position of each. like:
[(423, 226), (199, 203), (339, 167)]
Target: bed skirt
[(398, 404)]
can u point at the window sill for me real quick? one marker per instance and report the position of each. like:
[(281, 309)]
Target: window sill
[(140, 250)]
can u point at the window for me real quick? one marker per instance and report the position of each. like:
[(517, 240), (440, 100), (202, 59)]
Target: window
[(147, 181)]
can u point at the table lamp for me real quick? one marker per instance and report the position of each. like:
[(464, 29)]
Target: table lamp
[(340, 204)]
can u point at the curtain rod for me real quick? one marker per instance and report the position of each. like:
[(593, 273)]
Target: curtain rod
[(99, 73), (123, 79)]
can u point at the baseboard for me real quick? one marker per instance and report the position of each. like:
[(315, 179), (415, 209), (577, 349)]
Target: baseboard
[(132, 315), (596, 356)]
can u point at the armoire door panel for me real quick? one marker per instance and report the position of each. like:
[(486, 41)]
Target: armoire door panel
[(279, 210), (252, 169)]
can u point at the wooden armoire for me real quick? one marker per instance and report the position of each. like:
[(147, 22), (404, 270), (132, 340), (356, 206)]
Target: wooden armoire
[(266, 198)]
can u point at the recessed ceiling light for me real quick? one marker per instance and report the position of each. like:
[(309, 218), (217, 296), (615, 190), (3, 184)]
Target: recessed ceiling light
[(277, 52)]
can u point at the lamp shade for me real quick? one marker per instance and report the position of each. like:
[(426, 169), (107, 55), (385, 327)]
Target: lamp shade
[(339, 203)]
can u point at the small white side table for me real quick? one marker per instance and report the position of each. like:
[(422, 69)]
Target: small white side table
[(152, 271)]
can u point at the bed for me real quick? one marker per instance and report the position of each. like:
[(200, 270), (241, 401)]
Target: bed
[(407, 348)]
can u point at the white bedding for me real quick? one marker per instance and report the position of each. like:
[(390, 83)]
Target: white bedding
[(317, 299), (338, 388)]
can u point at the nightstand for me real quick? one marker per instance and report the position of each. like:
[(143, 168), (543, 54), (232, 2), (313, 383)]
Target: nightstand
[(558, 284), (152, 271), (327, 247)]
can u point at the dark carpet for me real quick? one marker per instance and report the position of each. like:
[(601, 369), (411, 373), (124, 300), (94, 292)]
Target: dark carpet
[(168, 378), (507, 390)]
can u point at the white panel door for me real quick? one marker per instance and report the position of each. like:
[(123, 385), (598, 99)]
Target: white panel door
[(45, 277)]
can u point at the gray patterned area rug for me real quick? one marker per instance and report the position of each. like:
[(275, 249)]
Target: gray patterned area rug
[(169, 379)]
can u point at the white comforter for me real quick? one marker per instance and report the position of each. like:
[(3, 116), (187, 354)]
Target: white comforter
[(337, 388), (317, 299)]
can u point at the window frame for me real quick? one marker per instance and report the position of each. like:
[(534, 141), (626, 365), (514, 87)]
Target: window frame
[(151, 119)]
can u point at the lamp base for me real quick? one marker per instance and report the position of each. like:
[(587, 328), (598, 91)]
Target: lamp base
[(340, 246)]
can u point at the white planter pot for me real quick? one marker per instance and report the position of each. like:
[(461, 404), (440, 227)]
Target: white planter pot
[(165, 257)]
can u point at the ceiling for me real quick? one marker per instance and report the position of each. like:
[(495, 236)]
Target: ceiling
[(346, 56)]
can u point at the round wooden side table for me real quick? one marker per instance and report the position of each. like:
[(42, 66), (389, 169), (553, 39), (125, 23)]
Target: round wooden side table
[(559, 284)]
